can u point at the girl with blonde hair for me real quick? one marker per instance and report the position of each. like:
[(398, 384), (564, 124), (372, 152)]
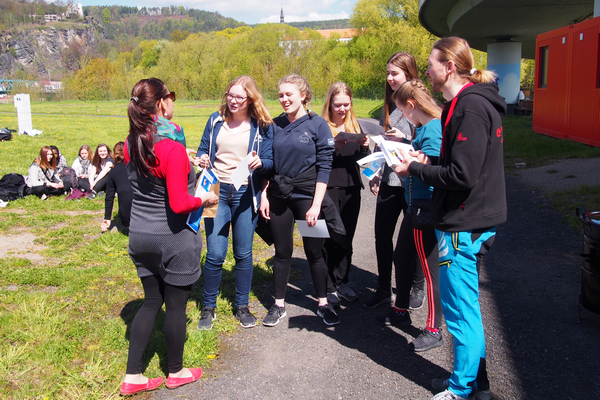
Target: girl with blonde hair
[(417, 237), (302, 155), (242, 126), (343, 187)]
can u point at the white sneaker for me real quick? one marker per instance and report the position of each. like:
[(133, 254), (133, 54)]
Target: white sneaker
[(447, 395), (346, 293), (44, 197)]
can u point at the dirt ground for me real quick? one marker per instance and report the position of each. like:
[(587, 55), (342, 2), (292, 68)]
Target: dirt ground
[(537, 345)]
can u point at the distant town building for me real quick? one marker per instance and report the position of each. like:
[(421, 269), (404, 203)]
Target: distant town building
[(346, 35)]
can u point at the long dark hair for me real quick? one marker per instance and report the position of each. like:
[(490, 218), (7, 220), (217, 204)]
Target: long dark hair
[(96, 160), (144, 99), (406, 62)]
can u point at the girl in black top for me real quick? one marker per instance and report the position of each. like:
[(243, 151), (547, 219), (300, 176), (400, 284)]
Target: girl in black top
[(302, 155), (117, 182), (344, 187)]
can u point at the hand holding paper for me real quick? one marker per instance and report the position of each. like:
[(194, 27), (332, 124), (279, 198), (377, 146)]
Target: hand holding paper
[(239, 175), (254, 162), (317, 230)]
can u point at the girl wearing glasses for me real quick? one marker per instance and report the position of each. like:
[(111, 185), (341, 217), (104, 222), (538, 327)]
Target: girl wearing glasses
[(242, 126)]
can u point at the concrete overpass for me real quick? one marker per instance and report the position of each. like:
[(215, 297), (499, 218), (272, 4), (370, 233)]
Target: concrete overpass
[(505, 29)]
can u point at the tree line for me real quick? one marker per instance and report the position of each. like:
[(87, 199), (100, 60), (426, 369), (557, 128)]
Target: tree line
[(199, 65)]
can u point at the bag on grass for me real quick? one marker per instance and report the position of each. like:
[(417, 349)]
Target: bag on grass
[(5, 134), (75, 194), (12, 187), (68, 175)]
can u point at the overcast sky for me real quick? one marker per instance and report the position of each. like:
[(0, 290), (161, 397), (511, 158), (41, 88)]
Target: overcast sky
[(252, 11)]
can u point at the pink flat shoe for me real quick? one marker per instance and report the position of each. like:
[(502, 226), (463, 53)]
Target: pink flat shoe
[(173, 383), (133, 388)]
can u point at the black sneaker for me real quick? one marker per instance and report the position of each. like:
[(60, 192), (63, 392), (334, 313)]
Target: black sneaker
[(417, 296), (328, 314), (247, 320), (427, 340), (378, 298), (92, 195), (206, 318), (274, 315), (395, 318), (441, 384), (333, 299)]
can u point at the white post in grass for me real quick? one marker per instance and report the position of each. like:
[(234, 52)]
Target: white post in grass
[(23, 112)]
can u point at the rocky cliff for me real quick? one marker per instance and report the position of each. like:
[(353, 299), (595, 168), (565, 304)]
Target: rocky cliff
[(39, 50)]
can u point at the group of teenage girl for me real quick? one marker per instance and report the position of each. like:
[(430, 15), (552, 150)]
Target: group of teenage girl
[(298, 171), (90, 174)]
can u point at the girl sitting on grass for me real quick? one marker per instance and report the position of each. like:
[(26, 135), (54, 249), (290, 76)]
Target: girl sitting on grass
[(101, 165), (43, 179)]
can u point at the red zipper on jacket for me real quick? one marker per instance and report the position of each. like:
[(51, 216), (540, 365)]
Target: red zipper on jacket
[(452, 105)]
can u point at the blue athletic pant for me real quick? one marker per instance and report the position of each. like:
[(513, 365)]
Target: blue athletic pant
[(460, 255)]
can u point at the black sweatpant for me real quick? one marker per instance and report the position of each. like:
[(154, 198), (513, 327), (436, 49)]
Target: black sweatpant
[(413, 243), (47, 190), (338, 259), (283, 214), (390, 203), (175, 298)]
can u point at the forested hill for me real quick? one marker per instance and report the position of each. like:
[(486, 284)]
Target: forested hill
[(171, 23)]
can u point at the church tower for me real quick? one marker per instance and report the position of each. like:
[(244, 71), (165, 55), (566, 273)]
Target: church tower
[(281, 16)]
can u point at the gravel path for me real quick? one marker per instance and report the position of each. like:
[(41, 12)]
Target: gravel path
[(537, 349)]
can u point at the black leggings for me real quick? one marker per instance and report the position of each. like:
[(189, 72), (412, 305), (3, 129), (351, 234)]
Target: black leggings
[(175, 299), (338, 259), (413, 243), (283, 214), (47, 190), (390, 203)]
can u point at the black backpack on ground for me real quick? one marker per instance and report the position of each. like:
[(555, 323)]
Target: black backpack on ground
[(68, 175), (12, 187), (6, 134)]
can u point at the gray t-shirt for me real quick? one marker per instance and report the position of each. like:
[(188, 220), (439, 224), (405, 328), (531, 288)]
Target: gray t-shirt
[(398, 121)]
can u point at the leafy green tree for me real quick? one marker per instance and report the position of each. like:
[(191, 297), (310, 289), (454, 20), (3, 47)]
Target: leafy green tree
[(106, 17)]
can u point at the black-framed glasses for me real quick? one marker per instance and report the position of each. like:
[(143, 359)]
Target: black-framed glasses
[(239, 99), (171, 96)]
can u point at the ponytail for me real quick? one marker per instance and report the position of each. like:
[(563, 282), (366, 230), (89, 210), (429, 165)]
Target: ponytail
[(457, 49), (144, 98), (415, 90)]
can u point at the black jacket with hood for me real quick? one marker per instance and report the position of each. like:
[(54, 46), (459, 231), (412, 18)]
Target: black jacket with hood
[(468, 178)]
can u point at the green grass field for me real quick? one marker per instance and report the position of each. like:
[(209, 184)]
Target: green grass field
[(68, 293)]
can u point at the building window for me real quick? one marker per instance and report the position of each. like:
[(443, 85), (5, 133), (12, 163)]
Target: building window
[(543, 82)]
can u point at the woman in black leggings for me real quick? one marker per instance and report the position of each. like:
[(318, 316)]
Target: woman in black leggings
[(302, 156), (165, 251)]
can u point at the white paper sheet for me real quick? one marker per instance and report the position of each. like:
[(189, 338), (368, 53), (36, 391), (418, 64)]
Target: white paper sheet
[(239, 175), (317, 231)]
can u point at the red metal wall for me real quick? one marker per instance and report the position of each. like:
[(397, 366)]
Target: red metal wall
[(569, 106)]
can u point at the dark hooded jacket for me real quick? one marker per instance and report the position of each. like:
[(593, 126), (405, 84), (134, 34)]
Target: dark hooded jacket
[(468, 178)]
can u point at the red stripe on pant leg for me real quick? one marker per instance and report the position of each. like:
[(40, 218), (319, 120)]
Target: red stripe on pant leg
[(418, 235)]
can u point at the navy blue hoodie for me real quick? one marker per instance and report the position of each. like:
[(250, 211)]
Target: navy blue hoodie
[(301, 144), (468, 179)]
